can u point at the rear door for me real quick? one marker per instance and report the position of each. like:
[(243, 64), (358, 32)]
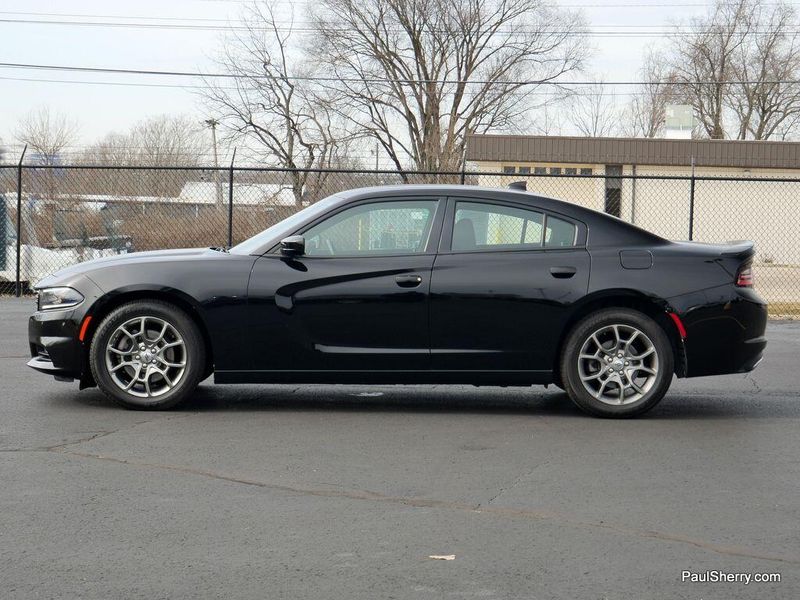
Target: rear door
[(502, 285)]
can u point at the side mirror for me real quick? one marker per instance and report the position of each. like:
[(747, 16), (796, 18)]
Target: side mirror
[(294, 245)]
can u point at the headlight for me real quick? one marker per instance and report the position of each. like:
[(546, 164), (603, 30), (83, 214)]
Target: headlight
[(58, 297)]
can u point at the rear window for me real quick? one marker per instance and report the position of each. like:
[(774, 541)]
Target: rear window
[(559, 233)]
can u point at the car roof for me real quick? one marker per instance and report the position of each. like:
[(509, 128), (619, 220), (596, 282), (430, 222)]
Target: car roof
[(604, 229)]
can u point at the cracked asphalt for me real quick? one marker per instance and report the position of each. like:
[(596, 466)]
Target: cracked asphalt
[(344, 492)]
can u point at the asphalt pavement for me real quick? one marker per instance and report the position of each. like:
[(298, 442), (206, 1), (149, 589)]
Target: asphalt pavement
[(344, 492)]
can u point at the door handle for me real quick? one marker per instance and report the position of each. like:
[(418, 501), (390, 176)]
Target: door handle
[(562, 272), (408, 281)]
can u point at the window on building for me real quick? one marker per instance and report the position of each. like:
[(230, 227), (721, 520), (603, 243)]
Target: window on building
[(555, 170), (509, 170), (539, 170), (570, 171), (493, 227), (524, 170), (613, 190), (586, 171)]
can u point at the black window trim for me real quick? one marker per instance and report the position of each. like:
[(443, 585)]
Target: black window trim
[(446, 238), (434, 235)]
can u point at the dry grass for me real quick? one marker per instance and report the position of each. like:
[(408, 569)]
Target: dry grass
[(784, 310)]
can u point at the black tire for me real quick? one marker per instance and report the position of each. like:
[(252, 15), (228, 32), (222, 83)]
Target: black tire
[(192, 356), (658, 384)]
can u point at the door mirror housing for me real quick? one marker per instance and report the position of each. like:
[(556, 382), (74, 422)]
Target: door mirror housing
[(294, 245)]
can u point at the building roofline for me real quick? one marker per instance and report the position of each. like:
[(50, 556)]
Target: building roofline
[(633, 151)]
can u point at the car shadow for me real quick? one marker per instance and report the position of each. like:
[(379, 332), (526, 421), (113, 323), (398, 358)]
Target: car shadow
[(536, 401)]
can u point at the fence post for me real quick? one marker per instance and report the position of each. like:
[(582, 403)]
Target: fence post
[(18, 284), (230, 200), (691, 204)]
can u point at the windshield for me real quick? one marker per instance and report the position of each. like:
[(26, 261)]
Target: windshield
[(274, 234)]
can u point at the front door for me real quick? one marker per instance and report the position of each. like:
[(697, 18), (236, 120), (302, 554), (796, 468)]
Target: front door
[(357, 300), (502, 286)]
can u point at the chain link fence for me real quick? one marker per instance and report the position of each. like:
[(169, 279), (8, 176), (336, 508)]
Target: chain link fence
[(52, 217)]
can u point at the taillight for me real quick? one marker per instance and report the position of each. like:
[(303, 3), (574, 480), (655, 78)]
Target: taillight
[(744, 278)]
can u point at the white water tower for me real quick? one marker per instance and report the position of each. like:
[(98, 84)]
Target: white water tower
[(678, 121)]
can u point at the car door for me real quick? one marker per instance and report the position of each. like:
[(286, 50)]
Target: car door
[(357, 299), (502, 285)]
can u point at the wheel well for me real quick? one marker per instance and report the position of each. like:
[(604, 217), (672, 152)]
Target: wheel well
[(652, 308), (103, 308)]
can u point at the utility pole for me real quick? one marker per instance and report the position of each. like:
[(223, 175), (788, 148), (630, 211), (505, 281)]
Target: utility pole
[(212, 123)]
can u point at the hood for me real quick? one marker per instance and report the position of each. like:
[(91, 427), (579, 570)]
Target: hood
[(85, 268)]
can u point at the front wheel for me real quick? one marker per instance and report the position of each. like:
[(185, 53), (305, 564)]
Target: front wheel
[(147, 355), (617, 363)]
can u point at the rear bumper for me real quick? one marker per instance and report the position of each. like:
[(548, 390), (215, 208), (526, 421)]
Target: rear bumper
[(54, 345), (725, 334)]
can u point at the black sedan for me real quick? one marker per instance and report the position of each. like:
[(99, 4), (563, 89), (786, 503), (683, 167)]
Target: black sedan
[(411, 284)]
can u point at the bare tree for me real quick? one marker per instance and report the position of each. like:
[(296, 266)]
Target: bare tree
[(164, 140), (160, 141), (419, 76), (703, 62), (765, 96), (47, 134), (268, 103), (549, 118), (645, 114), (593, 111)]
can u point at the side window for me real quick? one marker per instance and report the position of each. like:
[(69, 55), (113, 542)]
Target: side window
[(493, 227), (379, 228), (559, 233)]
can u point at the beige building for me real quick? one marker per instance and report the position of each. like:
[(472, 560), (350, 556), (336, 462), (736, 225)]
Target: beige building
[(599, 173)]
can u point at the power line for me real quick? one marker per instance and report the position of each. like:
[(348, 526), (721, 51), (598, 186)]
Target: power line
[(306, 28), (212, 75), (234, 88), (226, 24)]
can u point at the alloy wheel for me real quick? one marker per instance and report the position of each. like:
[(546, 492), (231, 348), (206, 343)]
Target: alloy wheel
[(618, 364), (146, 357)]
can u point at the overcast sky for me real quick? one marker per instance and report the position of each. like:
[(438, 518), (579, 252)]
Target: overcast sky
[(101, 108)]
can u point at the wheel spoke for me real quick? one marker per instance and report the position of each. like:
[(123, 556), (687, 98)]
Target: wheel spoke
[(161, 335), (630, 339), (597, 375), (134, 379), (120, 352), (645, 370), (644, 354), (121, 365), (170, 364), (635, 386), (603, 385), (147, 383)]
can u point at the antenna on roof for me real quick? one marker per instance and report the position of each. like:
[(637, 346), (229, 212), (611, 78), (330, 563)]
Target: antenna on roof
[(518, 185)]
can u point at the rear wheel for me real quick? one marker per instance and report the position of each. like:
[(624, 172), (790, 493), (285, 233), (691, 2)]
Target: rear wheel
[(617, 363), (147, 355)]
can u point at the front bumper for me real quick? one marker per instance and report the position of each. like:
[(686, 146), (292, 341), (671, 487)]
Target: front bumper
[(54, 345)]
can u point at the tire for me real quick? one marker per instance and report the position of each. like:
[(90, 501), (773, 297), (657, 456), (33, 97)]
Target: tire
[(151, 347), (617, 363)]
